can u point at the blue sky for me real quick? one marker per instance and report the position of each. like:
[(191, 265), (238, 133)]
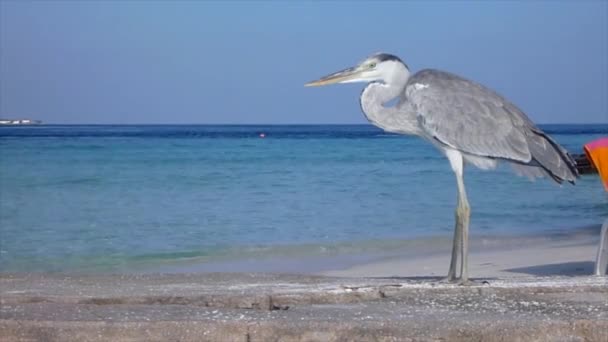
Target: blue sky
[(238, 62)]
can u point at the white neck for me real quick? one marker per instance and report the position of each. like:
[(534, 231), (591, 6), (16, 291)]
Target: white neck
[(397, 119), (373, 98)]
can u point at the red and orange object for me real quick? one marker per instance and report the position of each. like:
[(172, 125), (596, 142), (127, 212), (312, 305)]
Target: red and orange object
[(597, 153)]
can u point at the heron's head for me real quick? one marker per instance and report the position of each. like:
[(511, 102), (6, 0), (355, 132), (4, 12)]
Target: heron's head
[(378, 67)]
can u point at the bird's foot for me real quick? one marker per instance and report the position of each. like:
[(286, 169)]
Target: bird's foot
[(449, 280)]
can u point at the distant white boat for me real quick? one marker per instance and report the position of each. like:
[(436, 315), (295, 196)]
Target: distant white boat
[(19, 122)]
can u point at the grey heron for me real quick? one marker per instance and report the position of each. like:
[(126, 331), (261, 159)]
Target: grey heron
[(468, 122)]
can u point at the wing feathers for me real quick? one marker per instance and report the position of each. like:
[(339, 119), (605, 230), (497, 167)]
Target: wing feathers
[(473, 119), (466, 116)]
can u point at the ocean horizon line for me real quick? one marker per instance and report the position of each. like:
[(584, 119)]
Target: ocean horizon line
[(298, 131), (264, 124)]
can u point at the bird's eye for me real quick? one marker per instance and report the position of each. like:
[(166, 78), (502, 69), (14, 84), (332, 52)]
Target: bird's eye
[(372, 65)]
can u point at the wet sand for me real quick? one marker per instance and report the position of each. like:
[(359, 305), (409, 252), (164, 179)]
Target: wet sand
[(543, 293), (572, 256)]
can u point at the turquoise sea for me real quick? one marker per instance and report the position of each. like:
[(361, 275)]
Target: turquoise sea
[(159, 198)]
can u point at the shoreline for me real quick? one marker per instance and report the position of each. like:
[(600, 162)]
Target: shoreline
[(382, 257), (490, 256)]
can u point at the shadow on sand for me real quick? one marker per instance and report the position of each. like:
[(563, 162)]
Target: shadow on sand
[(577, 268)]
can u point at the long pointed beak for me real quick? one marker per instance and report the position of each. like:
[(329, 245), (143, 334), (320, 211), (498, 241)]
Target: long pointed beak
[(340, 76)]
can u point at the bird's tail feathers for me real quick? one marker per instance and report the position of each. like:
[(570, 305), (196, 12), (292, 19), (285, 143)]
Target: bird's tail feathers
[(551, 157)]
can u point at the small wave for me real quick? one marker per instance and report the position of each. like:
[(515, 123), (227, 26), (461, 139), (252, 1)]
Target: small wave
[(74, 181)]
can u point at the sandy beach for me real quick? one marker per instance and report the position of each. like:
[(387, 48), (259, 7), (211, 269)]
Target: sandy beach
[(545, 293), (572, 256)]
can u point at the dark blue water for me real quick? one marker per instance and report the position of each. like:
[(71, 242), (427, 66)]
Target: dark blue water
[(107, 198)]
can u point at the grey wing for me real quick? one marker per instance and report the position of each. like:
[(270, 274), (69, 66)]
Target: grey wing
[(471, 118)]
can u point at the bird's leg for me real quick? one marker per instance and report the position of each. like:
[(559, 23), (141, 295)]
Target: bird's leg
[(464, 265), (464, 217), (457, 164), (456, 248)]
